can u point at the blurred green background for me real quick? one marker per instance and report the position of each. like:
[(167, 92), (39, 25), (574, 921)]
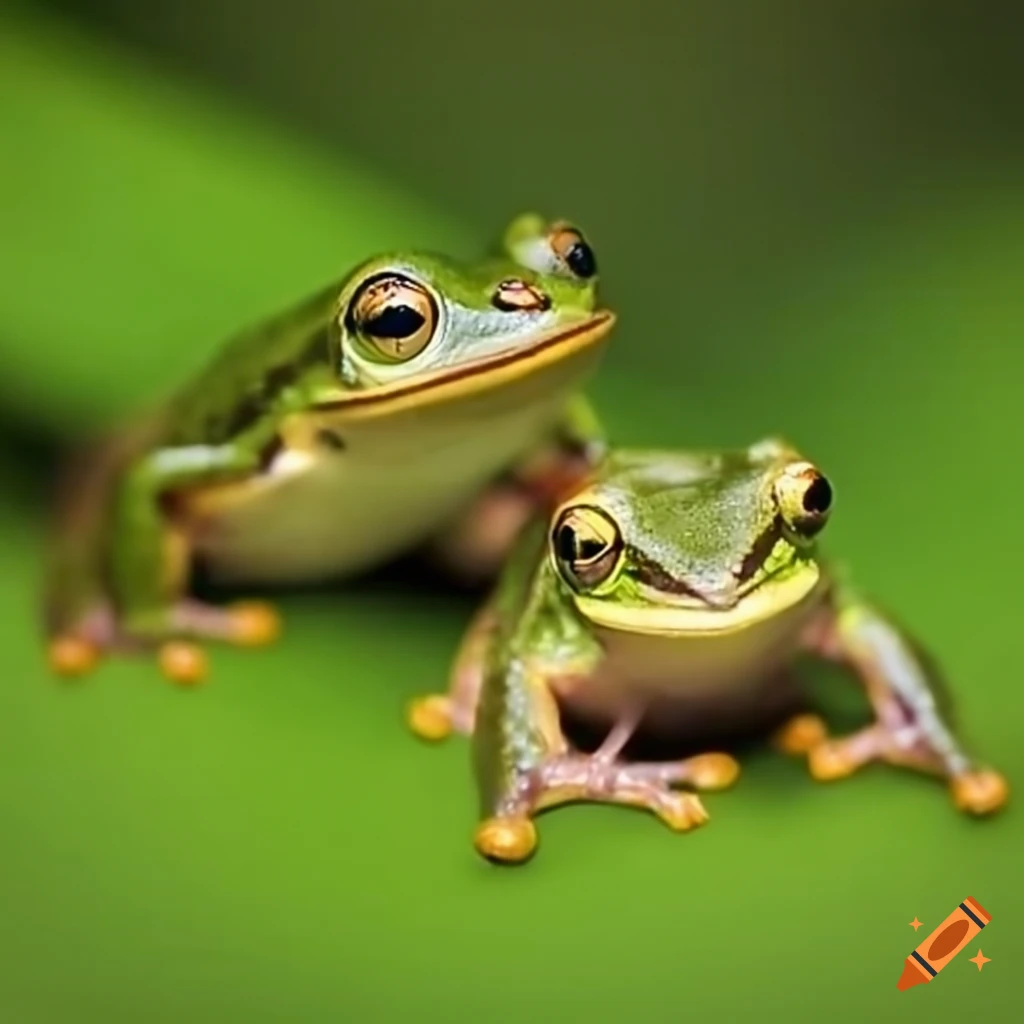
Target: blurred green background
[(811, 219)]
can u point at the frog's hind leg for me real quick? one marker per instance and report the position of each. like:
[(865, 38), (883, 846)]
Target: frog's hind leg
[(525, 766), (912, 727), (76, 645), (94, 608), (161, 615), (78, 618)]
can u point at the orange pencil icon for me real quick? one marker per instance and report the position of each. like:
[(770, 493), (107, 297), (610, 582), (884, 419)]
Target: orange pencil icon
[(943, 944)]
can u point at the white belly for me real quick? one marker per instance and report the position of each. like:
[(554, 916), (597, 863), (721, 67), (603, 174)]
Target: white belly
[(685, 680), (332, 513)]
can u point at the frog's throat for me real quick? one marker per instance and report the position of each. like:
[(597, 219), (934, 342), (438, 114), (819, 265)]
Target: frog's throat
[(773, 597), (550, 348)]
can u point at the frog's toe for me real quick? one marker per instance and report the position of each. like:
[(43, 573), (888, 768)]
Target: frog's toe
[(430, 718), (681, 811), (800, 735), (704, 771), (72, 656), (832, 760), (253, 623), (506, 840), (979, 792), (183, 663), (246, 624), (713, 771)]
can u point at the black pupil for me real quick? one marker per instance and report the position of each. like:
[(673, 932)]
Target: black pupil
[(395, 322), (581, 260), (818, 497), (571, 548), (565, 544)]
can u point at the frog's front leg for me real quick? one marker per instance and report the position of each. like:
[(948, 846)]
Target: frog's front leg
[(524, 765), (147, 567), (475, 545), (910, 729)]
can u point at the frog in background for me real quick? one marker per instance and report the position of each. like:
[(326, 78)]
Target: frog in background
[(671, 588), (419, 402)]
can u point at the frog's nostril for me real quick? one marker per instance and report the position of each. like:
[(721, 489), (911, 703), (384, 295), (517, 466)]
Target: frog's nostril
[(515, 295)]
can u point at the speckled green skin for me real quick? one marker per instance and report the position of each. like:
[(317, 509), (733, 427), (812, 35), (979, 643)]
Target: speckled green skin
[(226, 422)]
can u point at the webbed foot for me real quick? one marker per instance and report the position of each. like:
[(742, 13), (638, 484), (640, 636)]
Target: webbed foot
[(510, 837), (177, 637), (973, 791)]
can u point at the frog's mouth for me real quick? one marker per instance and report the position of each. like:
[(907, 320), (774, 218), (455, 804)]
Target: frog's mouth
[(674, 615), (550, 348)]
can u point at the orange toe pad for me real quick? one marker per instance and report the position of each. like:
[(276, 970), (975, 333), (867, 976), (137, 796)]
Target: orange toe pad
[(507, 840), (72, 656), (183, 663), (255, 624), (979, 792)]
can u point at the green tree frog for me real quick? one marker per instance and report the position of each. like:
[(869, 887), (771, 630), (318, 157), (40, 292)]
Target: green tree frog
[(668, 589), (418, 401)]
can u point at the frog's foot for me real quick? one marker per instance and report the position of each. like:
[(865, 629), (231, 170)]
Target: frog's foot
[(175, 635), (511, 837), (245, 624), (973, 790)]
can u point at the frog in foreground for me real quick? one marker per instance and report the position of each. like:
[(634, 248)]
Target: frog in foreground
[(418, 401), (673, 587)]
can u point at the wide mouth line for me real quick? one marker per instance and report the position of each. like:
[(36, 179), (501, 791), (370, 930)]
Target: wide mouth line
[(690, 600), (597, 324), (676, 621)]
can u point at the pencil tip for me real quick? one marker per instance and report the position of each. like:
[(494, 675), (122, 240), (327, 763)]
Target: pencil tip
[(910, 977)]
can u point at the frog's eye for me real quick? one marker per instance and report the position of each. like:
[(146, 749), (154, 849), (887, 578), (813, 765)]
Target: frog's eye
[(514, 295), (804, 498), (572, 249), (587, 547), (393, 316)]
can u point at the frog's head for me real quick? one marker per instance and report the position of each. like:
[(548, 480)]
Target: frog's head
[(421, 315), (675, 543)]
